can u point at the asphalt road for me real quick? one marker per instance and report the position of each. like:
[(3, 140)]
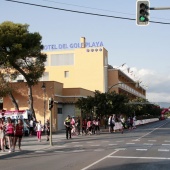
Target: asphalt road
[(145, 148)]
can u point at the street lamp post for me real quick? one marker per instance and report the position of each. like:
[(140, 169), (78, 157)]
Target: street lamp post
[(43, 87)]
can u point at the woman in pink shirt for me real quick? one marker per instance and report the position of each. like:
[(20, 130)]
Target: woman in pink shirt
[(10, 133)]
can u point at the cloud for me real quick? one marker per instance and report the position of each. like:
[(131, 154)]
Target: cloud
[(157, 84)]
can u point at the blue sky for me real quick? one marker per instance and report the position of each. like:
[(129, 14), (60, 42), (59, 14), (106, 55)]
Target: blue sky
[(144, 49)]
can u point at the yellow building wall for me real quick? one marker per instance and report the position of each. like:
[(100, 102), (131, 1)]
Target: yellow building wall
[(87, 71)]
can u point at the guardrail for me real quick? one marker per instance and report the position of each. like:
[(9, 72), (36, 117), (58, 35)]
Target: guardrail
[(118, 125)]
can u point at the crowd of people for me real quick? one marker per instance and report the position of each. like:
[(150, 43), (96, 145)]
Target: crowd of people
[(91, 126), (12, 131)]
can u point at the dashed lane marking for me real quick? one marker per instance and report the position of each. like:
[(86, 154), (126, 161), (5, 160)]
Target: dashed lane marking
[(167, 141), (112, 144), (98, 150), (130, 143), (75, 142), (40, 151), (148, 144), (58, 151), (163, 150), (141, 149), (78, 151), (78, 145), (166, 144), (151, 140), (120, 149)]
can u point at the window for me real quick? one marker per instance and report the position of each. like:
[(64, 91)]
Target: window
[(66, 74), (59, 110), (62, 59)]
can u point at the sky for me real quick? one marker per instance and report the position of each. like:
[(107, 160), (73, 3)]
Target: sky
[(144, 49)]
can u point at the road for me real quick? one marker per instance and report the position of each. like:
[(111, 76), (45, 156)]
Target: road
[(145, 148)]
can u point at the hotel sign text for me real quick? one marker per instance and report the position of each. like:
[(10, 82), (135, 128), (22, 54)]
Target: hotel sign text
[(72, 45)]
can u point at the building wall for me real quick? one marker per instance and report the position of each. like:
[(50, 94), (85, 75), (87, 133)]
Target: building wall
[(88, 70), (63, 98)]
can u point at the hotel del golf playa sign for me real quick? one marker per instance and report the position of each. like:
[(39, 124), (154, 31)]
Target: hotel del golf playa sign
[(73, 45)]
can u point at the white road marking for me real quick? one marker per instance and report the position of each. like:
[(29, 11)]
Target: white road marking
[(61, 146), (94, 163), (94, 145), (135, 140), (152, 131), (75, 142), (141, 149), (167, 144), (152, 140), (163, 150), (167, 141), (120, 141), (133, 157), (148, 144), (120, 149), (112, 144), (98, 150), (130, 143), (58, 151), (78, 145), (39, 151), (78, 151)]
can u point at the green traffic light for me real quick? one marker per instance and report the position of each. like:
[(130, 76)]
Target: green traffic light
[(142, 18)]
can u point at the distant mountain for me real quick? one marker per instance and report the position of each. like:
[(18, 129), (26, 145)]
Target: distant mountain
[(163, 104)]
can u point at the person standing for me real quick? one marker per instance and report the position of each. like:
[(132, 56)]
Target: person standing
[(47, 128), (39, 128), (10, 133), (31, 126), (19, 129), (122, 120), (2, 135), (67, 124), (78, 125), (84, 127)]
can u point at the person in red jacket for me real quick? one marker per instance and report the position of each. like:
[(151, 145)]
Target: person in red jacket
[(18, 133)]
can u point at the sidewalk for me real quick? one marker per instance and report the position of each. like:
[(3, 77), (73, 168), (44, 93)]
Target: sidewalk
[(30, 144)]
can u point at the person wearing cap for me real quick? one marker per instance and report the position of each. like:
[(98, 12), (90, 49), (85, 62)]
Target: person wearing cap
[(67, 124)]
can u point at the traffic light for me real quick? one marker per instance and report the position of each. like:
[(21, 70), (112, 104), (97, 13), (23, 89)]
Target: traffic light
[(142, 12), (50, 103)]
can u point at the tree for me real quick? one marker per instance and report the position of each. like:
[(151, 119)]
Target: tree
[(21, 51), (6, 89)]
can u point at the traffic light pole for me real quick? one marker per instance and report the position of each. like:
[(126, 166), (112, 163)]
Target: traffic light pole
[(159, 8), (51, 143)]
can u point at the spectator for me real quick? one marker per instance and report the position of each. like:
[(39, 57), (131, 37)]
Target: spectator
[(67, 124), (39, 129), (19, 128), (31, 126)]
